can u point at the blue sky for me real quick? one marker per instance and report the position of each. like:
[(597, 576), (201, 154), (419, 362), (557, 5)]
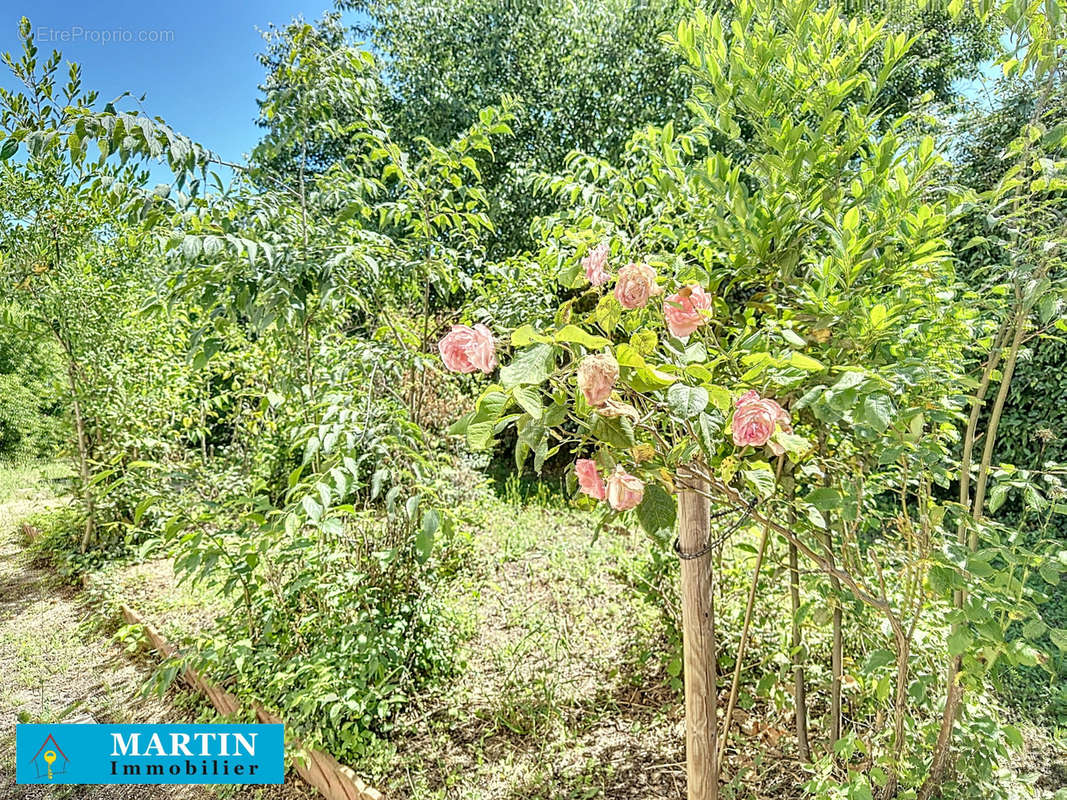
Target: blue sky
[(197, 64)]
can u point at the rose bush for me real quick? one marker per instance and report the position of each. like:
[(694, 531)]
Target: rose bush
[(811, 317)]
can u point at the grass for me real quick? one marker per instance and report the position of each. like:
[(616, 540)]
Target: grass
[(558, 698), (566, 687)]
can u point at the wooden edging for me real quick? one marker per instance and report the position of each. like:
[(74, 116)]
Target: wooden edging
[(333, 780)]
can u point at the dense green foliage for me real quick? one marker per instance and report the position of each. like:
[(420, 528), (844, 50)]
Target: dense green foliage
[(587, 74), (31, 414)]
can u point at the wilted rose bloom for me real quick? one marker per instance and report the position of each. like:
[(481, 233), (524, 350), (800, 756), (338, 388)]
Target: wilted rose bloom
[(466, 349), (755, 420), (682, 310), (625, 491), (636, 283), (595, 264), (596, 378), (589, 480)]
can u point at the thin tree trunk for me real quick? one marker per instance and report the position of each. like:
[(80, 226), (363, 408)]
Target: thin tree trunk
[(954, 695), (749, 607), (800, 694), (900, 700), (83, 460), (837, 648)]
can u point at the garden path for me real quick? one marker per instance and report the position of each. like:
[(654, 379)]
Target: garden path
[(58, 662)]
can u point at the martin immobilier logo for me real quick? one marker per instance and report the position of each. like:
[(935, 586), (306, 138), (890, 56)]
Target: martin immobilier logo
[(149, 754)]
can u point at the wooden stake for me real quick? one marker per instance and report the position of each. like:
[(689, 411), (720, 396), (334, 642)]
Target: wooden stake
[(698, 639)]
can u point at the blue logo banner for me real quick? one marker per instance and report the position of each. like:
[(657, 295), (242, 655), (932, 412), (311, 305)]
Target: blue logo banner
[(149, 753)]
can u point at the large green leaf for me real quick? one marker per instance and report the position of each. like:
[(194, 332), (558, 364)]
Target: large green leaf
[(657, 511), (876, 412), (615, 431), (572, 334), (529, 399), (431, 523), (687, 401), (824, 498), (530, 366), (480, 428)]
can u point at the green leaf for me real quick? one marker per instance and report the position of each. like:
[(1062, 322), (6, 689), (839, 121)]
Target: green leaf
[(657, 511), (459, 427), (627, 356), (480, 429), (9, 148), (526, 334), (1034, 629), (824, 498), (572, 334), (720, 397), (644, 342), (608, 313), (529, 399), (876, 412), (686, 401), (959, 641), (530, 366), (312, 508), (761, 481), (617, 432), (431, 523), (709, 430), (1050, 573), (793, 444), (801, 361), (1012, 736), (1058, 133), (878, 659), (649, 379), (1059, 638)]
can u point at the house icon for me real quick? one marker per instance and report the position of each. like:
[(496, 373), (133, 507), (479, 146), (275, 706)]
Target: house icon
[(49, 759)]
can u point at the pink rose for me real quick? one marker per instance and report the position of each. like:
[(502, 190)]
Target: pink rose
[(596, 378), (682, 310), (636, 283), (589, 480), (756, 419), (624, 490), (466, 349), (595, 264)]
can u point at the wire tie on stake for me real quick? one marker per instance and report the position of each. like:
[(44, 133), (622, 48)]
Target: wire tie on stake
[(714, 543)]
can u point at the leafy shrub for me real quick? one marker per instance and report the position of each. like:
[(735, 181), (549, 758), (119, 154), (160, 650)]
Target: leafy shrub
[(59, 544), (31, 425)]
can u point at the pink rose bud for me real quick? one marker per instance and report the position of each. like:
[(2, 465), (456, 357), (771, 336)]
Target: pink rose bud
[(756, 419), (596, 378), (589, 480), (635, 284), (595, 264), (682, 310), (466, 349), (624, 490)]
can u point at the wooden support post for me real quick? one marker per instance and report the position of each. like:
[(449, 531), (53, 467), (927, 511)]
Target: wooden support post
[(698, 638)]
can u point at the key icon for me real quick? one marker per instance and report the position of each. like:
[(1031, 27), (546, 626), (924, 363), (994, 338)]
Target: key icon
[(49, 757)]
